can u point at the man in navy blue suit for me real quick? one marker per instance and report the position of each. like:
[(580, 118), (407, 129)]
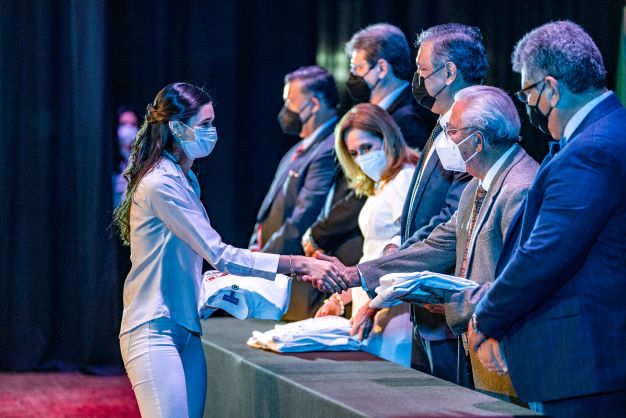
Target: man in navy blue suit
[(555, 318)]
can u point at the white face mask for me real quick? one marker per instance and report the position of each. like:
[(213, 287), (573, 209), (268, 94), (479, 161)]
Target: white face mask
[(373, 163), (450, 154), (203, 143)]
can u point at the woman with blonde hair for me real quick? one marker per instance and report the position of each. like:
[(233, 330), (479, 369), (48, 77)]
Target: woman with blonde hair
[(378, 164)]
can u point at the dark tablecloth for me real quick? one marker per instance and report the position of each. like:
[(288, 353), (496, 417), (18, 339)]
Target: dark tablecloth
[(248, 382)]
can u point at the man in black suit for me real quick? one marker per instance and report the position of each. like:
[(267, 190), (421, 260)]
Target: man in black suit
[(303, 177), (380, 67)]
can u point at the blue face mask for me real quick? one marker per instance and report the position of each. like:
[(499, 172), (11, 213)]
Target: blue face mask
[(202, 144)]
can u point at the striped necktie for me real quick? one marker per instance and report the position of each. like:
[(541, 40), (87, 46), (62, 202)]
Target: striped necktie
[(479, 198)]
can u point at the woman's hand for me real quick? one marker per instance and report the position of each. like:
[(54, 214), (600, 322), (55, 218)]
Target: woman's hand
[(330, 307)]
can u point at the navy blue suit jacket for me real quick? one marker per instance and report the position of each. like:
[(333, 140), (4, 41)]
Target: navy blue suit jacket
[(558, 305)]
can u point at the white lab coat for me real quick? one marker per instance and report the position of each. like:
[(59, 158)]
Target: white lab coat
[(170, 235)]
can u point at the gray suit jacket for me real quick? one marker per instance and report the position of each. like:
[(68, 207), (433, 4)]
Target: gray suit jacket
[(444, 247)]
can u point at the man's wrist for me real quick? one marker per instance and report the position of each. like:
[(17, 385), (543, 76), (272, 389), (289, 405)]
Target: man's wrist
[(352, 275)]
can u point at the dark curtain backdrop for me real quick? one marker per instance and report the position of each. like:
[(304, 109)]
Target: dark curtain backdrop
[(65, 68)]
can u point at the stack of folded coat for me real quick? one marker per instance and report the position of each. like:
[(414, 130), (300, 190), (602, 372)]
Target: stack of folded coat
[(420, 287), (327, 333), (245, 297)]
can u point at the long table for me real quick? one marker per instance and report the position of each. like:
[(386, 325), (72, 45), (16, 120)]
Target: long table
[(248, 382)]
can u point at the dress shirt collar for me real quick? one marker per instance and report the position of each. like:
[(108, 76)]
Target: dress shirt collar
[(306, 142), (391, 97), (582, 113), (191, 177), (493, 171)]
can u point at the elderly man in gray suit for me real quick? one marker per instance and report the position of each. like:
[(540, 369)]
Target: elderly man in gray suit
[(482, 139)]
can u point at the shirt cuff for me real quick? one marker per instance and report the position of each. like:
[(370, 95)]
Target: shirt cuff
[(265, 265), (362, 279)]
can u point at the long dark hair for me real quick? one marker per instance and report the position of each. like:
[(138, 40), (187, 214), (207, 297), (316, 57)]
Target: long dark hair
[(177, 101)]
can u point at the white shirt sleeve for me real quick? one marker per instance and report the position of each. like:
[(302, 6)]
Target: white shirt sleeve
[(170, 201)]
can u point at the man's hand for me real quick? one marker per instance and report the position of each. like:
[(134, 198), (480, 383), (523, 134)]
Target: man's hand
[(390, 248), (435, 308), (475, 338), (348, 276), (363, 321), (320, 273), (491, 357), (309, 245)]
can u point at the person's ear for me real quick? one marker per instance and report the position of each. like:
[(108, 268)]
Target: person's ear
[(554, 96), (176, 128), (316, 104), (450, 70), (479, 141), (384, 68)]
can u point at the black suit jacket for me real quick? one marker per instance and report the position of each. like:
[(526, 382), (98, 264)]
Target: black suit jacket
[(415, 121), (338, 232)]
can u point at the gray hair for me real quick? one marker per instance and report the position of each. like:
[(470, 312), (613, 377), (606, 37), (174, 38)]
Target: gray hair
[(460, 44), (383, 41), (564, 51), (492, 111)]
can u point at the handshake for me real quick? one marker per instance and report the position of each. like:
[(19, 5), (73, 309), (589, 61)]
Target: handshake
[(328, 274)]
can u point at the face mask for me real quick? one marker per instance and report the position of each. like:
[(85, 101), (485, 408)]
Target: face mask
[(420, 94), (203, 143), (538, 119), (358, 89), (450, 154), (290, 121), (126, 135), (373, 163)]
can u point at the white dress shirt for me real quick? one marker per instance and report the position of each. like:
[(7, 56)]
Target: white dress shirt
[(170, 235), (391, 97)]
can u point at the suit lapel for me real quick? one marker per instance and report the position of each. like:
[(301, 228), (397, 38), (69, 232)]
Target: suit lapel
[(287, 165), (492, 195)]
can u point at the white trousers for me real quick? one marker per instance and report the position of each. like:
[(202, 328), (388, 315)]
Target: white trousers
[(166, 367)]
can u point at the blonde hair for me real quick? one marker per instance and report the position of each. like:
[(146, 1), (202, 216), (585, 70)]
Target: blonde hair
[(376, 121)]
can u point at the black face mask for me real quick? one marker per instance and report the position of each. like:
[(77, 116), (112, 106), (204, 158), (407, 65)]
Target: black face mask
[(358, 89), (538, 119), (420, 94), (290, 121)]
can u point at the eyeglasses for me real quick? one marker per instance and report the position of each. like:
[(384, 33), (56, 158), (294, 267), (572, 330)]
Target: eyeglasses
[(420, 70), (522, 94), (453, 132)]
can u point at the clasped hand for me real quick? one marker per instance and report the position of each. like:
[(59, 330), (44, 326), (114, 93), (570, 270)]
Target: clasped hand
[(489, 351), (328, 274)]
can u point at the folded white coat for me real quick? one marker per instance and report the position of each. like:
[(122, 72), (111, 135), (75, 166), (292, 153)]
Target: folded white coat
[(419, 287), (245, 297), (327, 333)]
